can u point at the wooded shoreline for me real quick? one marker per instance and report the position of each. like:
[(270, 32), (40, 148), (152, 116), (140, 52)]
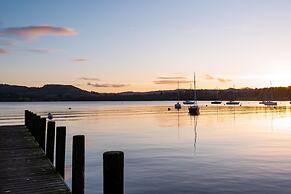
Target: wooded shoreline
[(10, 93)]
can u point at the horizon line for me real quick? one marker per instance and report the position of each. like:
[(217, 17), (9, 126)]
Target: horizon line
[(130, 91)]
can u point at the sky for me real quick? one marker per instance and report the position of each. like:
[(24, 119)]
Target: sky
[(144, 45)]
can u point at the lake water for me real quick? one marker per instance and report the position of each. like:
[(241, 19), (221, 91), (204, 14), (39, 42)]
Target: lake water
[(226, 149)]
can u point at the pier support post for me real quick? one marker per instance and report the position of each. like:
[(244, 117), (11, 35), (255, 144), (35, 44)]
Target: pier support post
[(37, 129), (78, 164), (113, 172), (33, 125), (50, 141), (60, 150), (29, 120), (42, 130), (26, 112)]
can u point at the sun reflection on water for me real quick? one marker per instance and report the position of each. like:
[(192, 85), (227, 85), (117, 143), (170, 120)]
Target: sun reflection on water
[(227, 146)]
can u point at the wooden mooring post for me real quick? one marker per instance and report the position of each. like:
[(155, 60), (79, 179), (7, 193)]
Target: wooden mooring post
[(33, 125), (78, 164), (42, 130), (113, 161), (26, 113), (37, 129), (50, 141), (60, 150), (113, 172)]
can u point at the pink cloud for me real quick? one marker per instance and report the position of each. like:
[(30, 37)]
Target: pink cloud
[(170, 77), (209, 77), (222, 80), (3, 51), (89, 78), (80, 60), (103, 85), (37, 31), (171, 80), (43, 50)]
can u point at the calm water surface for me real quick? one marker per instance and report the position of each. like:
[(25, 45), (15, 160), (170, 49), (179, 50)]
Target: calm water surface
[(226, 149)]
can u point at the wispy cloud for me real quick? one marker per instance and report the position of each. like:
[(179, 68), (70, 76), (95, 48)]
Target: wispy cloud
[(7, 42), (209, 77), (222, 80), (12, 36), (170, 77), (171, 80), (106, 85), (3, 51), (80, 59), (43, 50), (37, 31), (89, 78)]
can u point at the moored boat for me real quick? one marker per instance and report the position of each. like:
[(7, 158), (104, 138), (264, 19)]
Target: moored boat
[(188, 102), (194, 109), (178, 105), (232, 103), (270, 103), (216, 102)]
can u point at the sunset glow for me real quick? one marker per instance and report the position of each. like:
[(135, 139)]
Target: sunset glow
[(115, 46)]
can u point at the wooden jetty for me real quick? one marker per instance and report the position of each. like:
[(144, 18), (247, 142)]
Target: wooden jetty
[(28, 154), (24, 167)]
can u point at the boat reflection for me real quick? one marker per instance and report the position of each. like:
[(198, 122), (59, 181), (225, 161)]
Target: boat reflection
[(195, 118), (194, 122), (178, 121)]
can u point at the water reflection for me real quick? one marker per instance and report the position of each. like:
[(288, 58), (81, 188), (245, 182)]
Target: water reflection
[(194, 118), (244, 149), (178, 121)]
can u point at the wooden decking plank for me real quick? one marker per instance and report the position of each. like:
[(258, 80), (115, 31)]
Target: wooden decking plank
[(24, 167)]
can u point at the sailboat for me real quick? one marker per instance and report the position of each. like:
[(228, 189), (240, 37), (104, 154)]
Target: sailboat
[(265, 97), (194, 109), (189, 101), (216, 101), (270, 103), (178, 105), (232, 102)]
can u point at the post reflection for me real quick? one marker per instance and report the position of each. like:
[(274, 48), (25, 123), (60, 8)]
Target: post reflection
[(165, 143)]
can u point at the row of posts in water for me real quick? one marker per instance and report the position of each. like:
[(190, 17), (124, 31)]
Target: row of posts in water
[(113, 161)]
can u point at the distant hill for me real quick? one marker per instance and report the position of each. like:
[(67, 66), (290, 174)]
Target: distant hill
[(57, 92), (46, 93)]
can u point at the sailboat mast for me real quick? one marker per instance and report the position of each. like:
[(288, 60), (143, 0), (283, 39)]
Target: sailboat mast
[(233, 94), (271, 90), (194, 82), (178, 91)]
